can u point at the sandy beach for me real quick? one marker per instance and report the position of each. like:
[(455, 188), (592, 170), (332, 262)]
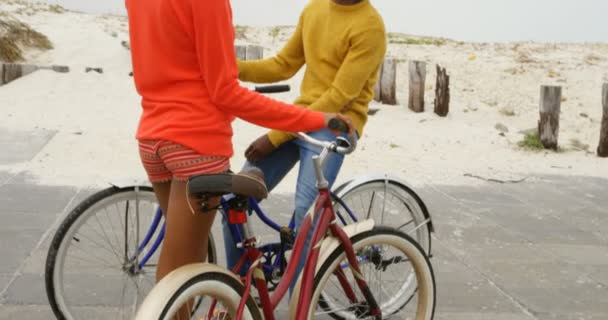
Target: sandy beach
[(94, 116)]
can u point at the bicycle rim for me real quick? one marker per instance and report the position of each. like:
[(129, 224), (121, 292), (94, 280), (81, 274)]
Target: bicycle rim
[(93, 271)]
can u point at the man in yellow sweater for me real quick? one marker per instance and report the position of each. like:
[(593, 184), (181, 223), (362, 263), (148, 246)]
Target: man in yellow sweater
[(342, 43)]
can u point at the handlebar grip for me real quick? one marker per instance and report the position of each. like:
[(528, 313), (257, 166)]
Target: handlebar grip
[(273, 88), (338, 125)]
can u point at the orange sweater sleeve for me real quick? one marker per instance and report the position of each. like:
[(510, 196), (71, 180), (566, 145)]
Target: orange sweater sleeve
[(214, 37)]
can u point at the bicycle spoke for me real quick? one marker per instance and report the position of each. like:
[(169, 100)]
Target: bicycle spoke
[(104, 235), (126, 231), (371, 204), (114, 230), (107, 237), (104, 263), (111, 254), (97, 244)]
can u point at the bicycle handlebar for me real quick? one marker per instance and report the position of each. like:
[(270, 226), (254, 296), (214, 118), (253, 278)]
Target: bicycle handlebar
[(273, 89), (334, 124), (338, 125), (332, 145)]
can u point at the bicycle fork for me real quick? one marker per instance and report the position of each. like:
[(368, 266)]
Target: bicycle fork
[(326, 221), (374, 308)]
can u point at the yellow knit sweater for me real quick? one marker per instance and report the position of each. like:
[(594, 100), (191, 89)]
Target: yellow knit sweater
[(343, 47)]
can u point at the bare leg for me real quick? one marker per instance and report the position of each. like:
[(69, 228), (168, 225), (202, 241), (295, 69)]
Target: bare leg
[(187, 233), (162, 191)]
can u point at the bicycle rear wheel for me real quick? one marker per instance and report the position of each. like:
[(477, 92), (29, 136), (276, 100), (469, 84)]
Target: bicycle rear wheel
[(387, 203), (92, 260)]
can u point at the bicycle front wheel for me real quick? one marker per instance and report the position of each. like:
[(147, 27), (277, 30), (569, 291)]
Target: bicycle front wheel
[(95, 259), (219, 293), (396, 269)]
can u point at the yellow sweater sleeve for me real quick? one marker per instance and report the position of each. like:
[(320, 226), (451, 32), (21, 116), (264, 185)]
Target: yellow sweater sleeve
[(278, 68), (364, 57)]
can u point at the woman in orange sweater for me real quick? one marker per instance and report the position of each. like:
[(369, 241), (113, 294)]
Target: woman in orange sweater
[(185, 69)]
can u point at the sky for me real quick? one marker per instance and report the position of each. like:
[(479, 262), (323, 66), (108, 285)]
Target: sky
[(466, 20)]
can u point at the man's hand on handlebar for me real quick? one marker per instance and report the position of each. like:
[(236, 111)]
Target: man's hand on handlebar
[(338, 123)]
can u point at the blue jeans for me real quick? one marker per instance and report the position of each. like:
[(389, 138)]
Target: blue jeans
[(275, 168)]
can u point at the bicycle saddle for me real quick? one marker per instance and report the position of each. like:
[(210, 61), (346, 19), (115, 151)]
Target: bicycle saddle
[(248, 183)]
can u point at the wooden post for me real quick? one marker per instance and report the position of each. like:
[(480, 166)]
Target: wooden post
[(388, 80), (89, 69), (61, 69), (377, 93), (442, 92), (254, 52), (11, 72), (602, 149), (241, 52), (14, 71), (548, 125), (417, 83)]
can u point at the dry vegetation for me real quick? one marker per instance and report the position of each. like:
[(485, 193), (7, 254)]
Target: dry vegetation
[(15, 36), (400, 38), (592, 59), (241, 32)]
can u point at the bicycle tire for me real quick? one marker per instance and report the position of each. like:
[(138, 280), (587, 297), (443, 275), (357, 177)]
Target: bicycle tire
[(408, 203), (195, 280), (426, 286), (71, 224)]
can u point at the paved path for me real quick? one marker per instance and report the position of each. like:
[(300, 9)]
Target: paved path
[(531, 250)]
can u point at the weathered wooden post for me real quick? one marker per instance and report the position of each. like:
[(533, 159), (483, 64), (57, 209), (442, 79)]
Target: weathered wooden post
[(1, 74), (548, 125), (254, 52), (442, 92), (388, 80), (241, 52), (417, 71), (377, 92), (602, 149), (14, 71), (11, 72), (60, 69), (377, 87)]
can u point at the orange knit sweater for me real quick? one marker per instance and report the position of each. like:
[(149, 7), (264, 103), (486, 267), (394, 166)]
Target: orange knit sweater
[(184, 67)]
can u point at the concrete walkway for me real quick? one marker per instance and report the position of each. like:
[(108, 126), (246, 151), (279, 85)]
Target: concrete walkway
[(531, 250)]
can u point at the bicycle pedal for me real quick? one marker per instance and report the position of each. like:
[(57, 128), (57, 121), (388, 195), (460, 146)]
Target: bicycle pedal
[(287, 236)]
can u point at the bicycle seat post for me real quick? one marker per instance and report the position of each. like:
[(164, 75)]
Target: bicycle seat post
[(247, 231)]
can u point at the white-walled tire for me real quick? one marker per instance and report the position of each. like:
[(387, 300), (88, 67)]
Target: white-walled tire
[(415, 294), (196, 280)]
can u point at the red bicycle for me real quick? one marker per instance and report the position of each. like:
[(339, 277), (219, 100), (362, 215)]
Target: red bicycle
[(390, 274)]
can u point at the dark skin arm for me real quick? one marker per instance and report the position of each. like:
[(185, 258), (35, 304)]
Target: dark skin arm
[(262, 147)]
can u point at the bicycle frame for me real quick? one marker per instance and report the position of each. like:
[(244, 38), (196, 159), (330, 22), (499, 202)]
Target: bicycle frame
[(325, 217), (254, 207)]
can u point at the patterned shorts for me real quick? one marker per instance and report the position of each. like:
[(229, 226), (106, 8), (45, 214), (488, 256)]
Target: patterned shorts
[(165, 161)]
